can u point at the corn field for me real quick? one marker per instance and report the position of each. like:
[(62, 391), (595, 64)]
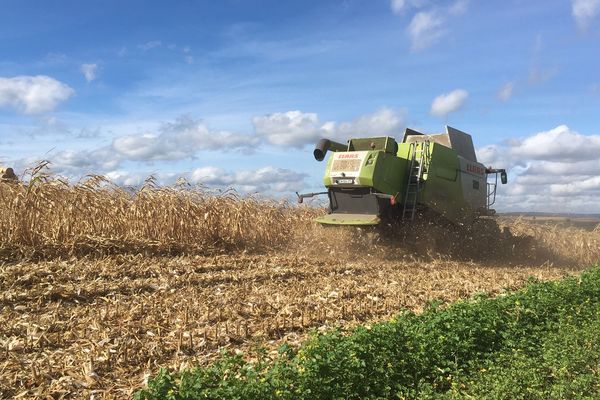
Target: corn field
[(101, 285), (50, 218)]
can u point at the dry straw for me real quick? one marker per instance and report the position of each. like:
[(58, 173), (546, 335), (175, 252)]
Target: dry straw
[(90, 305), (46, 217)]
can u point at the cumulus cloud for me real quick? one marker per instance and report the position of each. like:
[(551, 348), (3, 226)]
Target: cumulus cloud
[(427, 27), (296, 129), (265, 179), (560, 143), (506, 91), (74, 163), (186, 138), (384, 122), (556, 171), (557, 145), (33, 94), (126, 178), (179, 140), (269, 180), (89, 71), (584, 12), (447, 103), (78, 162), (292, 128)]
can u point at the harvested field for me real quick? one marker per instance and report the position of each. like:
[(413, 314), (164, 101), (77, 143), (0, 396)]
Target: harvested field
[(102, 287), (80, 327)]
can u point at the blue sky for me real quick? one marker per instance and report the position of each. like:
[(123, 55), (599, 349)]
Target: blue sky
[(234, 93)]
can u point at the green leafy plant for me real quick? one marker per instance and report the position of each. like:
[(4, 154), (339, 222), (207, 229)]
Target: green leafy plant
[(539, 342)]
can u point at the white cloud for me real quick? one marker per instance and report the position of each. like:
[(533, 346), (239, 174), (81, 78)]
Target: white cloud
[(33, 94), (185, 138), (295, 128), (126, 178), (89, 71), (556, 171), (78, 162), (584, 11), (265, 179), (211, 176), (292, 128), (383, 122), (447, 103), (427, 27), (560, 143), (179, 140), (506, 91), (269, 180)]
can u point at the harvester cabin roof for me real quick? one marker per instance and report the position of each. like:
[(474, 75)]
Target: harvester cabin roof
[(458, 141), (385, 143)]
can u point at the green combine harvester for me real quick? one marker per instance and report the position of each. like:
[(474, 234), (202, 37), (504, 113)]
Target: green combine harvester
[(378, 180)]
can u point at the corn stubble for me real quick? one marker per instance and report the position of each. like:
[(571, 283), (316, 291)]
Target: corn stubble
[(101, 286)]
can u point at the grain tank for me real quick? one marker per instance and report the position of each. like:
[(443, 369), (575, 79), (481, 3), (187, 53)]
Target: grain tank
[(376, 179)]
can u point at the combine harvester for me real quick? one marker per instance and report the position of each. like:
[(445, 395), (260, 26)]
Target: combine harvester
[(371, 181)]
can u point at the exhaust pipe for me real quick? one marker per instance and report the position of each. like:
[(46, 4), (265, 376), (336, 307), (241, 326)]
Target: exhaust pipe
[(326, 144)]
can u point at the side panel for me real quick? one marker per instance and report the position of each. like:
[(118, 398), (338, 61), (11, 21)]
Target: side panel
[(443, 188), (474, 183), (388, 173)]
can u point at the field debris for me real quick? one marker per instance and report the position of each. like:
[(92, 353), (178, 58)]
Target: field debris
[(102, 286), (83, 326)]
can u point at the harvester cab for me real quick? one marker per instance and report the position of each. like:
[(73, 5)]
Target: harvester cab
[(374, 180)]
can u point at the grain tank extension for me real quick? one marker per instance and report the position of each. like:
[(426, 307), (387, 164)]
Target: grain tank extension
[(374, 180)]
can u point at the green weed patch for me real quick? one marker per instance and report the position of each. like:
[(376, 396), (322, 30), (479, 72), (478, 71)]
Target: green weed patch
[(540, 342)]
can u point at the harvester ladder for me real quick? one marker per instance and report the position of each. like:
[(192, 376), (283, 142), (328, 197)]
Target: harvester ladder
[(419, 160)]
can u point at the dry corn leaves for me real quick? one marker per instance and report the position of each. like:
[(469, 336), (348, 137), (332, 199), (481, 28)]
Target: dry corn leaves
[(83, 327), (103, 307)]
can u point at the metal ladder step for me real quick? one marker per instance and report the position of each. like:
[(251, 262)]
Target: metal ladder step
[(418, 153)]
